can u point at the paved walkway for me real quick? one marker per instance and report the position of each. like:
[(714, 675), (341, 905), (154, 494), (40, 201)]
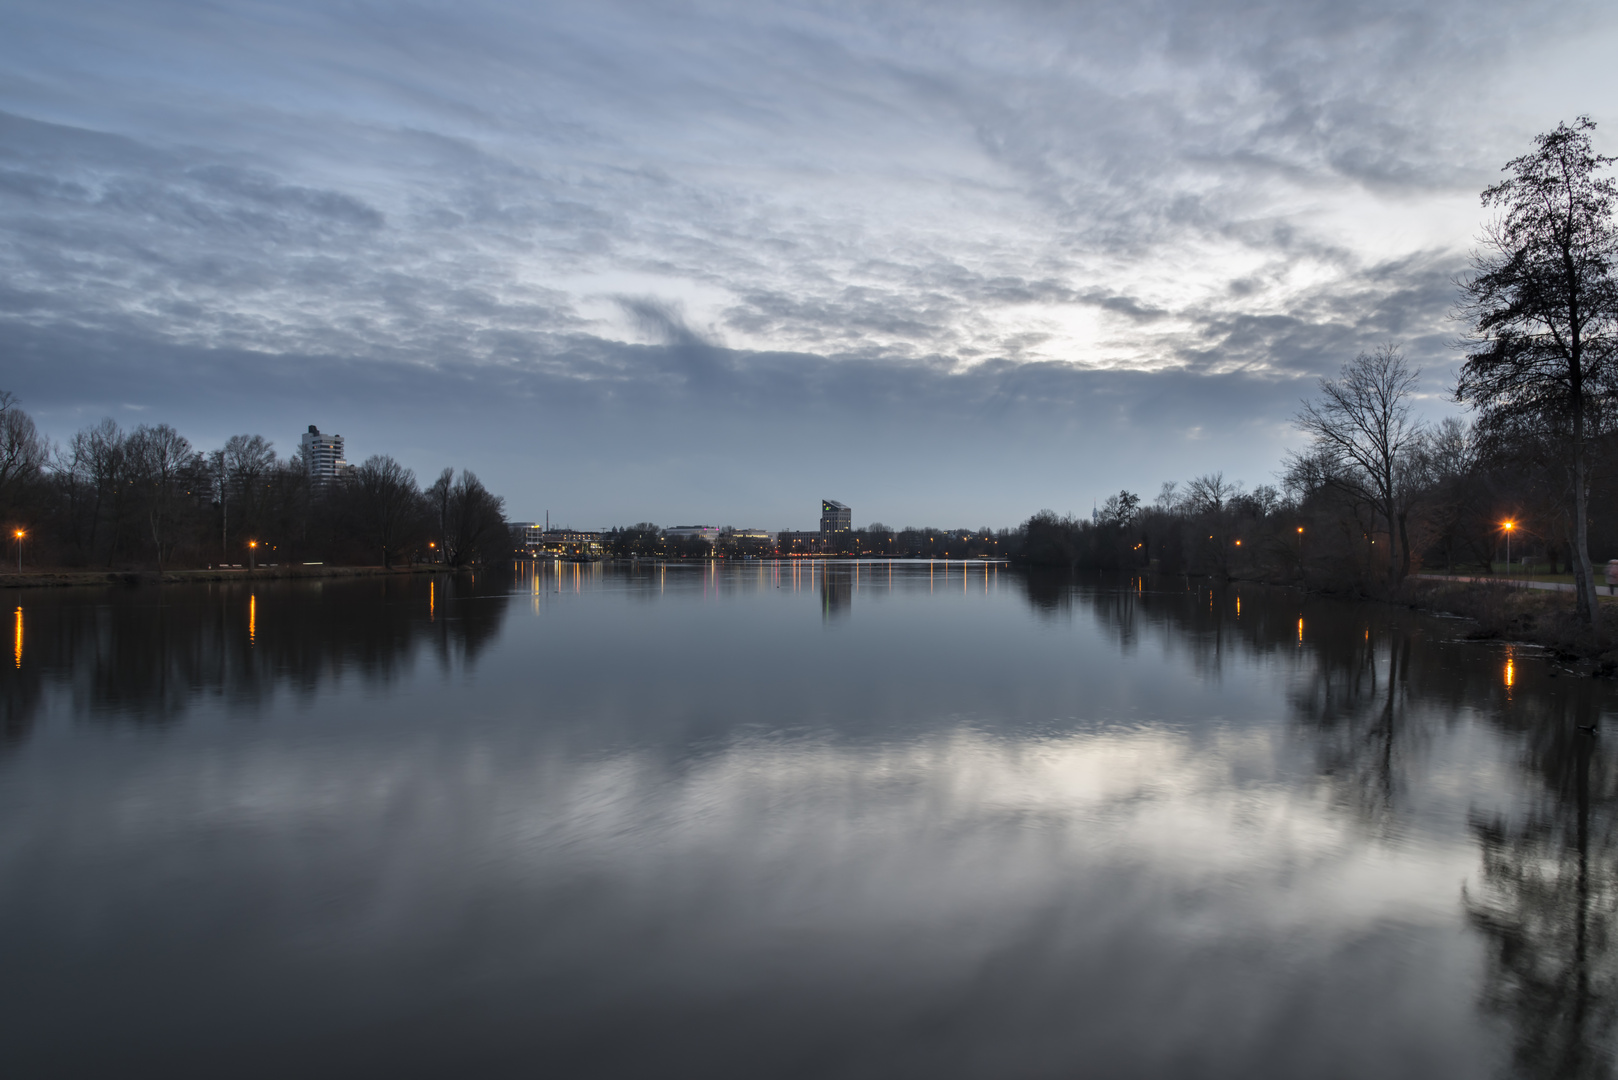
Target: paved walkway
[(1549, 586)]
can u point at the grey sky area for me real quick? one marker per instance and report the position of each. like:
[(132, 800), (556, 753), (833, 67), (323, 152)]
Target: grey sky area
[(949, 263)]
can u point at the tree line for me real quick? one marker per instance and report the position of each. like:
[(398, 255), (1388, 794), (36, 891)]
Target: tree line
[(119, 498)]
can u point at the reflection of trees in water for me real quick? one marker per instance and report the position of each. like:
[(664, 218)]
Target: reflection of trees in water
[(1353, 696), (1208, 624), (145, 655), (1048, 592), (1548, 886), (1369, 685), (1546, 901), (19, 703)]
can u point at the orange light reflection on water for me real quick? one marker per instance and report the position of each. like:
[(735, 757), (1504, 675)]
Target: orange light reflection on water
[(19, 635), (252, 619)]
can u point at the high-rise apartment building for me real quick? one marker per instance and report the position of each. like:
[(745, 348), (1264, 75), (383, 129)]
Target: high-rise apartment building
[(835, 517), (323, 456)]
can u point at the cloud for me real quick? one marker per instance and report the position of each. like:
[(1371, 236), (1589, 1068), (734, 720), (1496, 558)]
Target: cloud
[(893, 219)]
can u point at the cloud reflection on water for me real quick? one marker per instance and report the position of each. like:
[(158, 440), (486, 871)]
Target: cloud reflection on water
[(949, 831)]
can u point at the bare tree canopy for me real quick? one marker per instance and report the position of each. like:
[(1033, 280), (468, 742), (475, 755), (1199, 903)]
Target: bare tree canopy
[(1364, 439), (1541, 309), (1210, 492), (22, 450), (388, 503), (471, 518), (166, 467)]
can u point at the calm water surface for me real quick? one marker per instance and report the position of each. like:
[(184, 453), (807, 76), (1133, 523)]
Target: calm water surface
[(770, 820)]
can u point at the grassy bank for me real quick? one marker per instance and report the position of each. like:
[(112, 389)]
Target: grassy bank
[(1510, 613), (34, 579)]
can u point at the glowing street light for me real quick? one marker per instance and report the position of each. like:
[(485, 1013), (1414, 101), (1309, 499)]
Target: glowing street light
[(252, 555), (19, 534), (1509, 527)]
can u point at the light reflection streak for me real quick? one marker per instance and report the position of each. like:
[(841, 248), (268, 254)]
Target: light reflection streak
[(1300, 631), (252, 619), (19, 635)]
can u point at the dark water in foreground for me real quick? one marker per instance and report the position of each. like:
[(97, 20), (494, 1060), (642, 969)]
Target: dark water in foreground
[(741, 821)]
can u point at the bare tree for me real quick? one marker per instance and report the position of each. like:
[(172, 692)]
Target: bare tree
[(471, 518), (101, 449), (1210, 492), (1542, 305), (1208, 498), (163, 458), (22, 452), (1363, 436), (1445, 467), (388, 502), (241, 471)]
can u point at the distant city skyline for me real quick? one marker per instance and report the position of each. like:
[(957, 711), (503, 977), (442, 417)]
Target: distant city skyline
[(957, 263)]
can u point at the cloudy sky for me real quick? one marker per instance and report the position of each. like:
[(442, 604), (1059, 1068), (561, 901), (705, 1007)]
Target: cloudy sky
[(710, 262)]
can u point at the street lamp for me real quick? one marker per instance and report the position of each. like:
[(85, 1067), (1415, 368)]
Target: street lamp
[(19, 534), (252, 555), (1508, 526)]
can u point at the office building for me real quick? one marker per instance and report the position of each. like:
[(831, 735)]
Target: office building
[(835, 517), (323, 456)]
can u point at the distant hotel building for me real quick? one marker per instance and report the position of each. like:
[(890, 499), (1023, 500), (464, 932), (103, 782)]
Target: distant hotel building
[(709, 533), (836, 523), (323, 456), (528, 534), (540, 540), (835, 517)]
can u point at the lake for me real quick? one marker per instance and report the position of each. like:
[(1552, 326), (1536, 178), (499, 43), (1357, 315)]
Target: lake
[(794, 820)]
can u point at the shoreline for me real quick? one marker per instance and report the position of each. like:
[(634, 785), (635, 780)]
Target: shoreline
[(1505, 610), (47, 579), (1502, 610)]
